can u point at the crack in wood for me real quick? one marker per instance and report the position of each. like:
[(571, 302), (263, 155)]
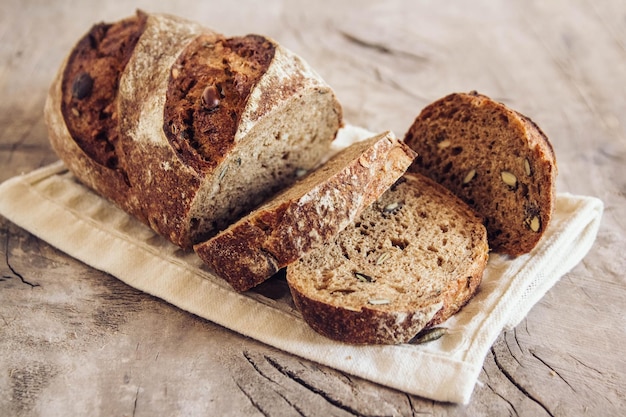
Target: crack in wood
[(415, 412), (587, 366), (517, 385), (254, 365), (12, 269), (250, 398), (517, 340), (551, 369), (251, 361), (504, 399), (291, 404), (379, 47), (135, 402), (506, 343), (301, 381)]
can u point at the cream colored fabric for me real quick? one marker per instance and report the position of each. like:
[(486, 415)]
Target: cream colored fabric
[(50, 204)]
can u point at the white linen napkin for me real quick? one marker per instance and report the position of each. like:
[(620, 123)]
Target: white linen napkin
[(52, 205)]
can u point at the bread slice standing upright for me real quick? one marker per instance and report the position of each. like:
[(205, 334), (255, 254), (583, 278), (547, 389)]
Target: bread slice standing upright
[(408, 262), (306, 215), (495, 159), (185, 128)]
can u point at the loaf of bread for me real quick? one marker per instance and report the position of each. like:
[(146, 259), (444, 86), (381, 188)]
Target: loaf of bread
[(495, 159), (185, 128), (308, 214), (410, 261)]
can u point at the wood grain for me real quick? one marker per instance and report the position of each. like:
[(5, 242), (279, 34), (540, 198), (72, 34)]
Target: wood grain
[(75, 341)]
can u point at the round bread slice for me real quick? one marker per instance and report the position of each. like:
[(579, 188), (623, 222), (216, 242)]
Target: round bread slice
[(308, 214), (410, 261), (495, 159)]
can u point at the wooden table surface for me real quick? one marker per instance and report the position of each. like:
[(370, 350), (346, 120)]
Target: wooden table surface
[(75, 341)]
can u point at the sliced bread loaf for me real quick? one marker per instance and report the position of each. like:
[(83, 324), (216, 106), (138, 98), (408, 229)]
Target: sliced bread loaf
[(306, 215), (185, 128), (495, 159), (411, 260)]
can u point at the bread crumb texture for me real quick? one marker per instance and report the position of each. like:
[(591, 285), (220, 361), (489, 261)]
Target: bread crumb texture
[(411, 260)]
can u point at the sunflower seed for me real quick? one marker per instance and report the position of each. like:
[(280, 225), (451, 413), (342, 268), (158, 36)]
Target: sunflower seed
[(469, 176), (527, 167), (382, 258), (508, 178)]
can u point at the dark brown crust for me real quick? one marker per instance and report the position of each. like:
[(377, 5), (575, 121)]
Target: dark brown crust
[(362, 327), (459, 119), (250, 251), (96, 163), (383, 326), (206, 94), (354, 327), (90, 84)]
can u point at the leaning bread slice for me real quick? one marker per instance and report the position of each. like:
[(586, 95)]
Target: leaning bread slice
[(308, 214), (410, 261), (494, 158)]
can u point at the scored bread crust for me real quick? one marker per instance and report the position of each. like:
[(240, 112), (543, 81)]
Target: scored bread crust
[(169, 191), (306, 215), (495, 159), (408, 262)]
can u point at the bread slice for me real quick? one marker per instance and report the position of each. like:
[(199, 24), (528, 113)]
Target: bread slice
[(495, 159), (410, 261), (306, 215), (185, 128)]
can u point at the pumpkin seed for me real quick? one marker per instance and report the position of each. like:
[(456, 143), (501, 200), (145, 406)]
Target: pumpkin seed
[(378, 301), (391, 207), (428, 335), (363, 278)]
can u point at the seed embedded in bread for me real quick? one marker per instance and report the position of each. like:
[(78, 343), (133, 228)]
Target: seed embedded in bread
[(534, 224), (508, 178), (527, 167), (469, 176)]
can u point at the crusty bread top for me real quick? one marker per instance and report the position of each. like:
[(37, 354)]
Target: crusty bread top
[(494, 158), (411, 260), (106, 114), (307, 214)]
